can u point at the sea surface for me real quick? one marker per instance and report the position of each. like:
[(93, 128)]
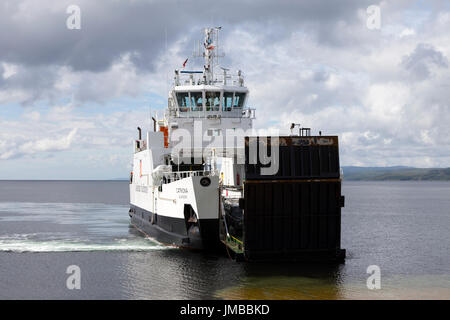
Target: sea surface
[(47, 226)]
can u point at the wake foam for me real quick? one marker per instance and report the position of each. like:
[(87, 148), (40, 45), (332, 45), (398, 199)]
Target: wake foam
[(76, 227), (23, 245)]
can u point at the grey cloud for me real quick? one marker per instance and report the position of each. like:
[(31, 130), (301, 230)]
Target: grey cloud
[(321, 76), (419, 62), (35, 82), (2, 70), (33, 35), (38, 35)]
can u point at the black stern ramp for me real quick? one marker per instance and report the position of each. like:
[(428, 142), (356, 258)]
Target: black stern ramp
[(294, 214)]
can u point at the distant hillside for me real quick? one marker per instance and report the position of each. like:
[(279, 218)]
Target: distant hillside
[(396, 173)]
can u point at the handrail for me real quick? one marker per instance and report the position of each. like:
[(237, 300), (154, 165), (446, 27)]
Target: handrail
[(178, 175), (235, 112), (196, 78)]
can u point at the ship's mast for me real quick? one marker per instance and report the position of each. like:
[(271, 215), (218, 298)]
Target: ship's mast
[(210, 51)]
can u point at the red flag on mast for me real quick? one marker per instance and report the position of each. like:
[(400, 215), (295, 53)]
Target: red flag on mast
[(184, 64)]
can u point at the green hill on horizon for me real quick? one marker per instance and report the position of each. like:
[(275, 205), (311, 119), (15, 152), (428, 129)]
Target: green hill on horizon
[(352, 173)]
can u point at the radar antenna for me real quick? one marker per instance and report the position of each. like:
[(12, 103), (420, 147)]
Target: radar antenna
[(210, 52)]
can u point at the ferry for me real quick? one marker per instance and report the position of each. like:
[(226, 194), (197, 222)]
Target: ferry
[(203, 180)]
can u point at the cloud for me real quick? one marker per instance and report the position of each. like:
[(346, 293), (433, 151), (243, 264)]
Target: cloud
[(13, 148), (370, 96), (424, 58), (135, 35), (384, 92), (43, 145), (113, 28)]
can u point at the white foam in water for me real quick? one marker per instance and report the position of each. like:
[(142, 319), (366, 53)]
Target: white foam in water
[(21, 244), (75, 227)]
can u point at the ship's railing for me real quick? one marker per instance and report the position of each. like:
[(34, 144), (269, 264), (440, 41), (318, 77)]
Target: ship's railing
[(214, 112), (178, 175), (192, 78)]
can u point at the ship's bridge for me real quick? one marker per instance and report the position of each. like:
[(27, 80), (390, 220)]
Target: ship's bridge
[(210, 100), (222, 96)]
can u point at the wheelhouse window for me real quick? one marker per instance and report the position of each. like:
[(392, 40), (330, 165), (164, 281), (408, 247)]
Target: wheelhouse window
[(183, 101), (212, 101), (239, 98), (197, 101), (227, 101)]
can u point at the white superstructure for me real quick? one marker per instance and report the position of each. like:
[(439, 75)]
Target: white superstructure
[(176, 183)]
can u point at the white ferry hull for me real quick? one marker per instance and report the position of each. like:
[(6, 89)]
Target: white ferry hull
[(205, 239), (187, 218)]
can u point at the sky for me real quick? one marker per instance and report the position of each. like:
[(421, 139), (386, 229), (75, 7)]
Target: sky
[(71, 99)]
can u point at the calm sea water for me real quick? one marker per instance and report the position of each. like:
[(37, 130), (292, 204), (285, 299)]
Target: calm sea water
[(45, 226)]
